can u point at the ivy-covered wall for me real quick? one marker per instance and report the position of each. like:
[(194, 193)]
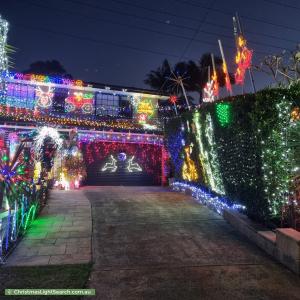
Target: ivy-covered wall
[(240, 147)]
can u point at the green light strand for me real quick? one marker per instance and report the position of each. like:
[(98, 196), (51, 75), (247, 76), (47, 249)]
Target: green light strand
[(224, 115)]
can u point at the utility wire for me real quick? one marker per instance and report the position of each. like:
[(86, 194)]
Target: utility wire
[(156, 10), (122, 13), (156, 31), (197, 20), (196, 32), (282, 4), (253, 32), (73, 36), (227, 13), (163, 33)]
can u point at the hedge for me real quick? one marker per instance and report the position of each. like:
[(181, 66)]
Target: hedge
[(242, 147)]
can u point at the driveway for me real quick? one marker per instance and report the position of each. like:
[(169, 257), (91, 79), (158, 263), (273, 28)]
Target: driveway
[(152, 243)]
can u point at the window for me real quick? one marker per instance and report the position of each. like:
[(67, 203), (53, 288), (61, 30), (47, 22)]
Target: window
[(20, 95), (58, 104), (107, 104)]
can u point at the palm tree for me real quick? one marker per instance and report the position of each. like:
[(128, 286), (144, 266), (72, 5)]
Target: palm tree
[(196, 75), (158, 79)]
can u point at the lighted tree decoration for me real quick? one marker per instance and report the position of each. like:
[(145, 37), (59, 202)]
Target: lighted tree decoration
[(74, 166), (72, 169)]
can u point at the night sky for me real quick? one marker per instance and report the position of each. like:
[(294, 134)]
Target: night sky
[(119, 41)]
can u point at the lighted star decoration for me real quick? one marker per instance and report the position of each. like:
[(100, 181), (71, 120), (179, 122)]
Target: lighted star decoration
[(173, 99), (178, 83)]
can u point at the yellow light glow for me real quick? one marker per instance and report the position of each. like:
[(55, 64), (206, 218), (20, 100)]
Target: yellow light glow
[(189, 171)]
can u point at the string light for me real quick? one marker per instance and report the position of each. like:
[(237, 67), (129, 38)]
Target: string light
[(42, 134), (121, 137), (207, 198), (34, 78), (3, 58)]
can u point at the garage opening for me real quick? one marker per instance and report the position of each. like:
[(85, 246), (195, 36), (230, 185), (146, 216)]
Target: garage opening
[(121, 163)]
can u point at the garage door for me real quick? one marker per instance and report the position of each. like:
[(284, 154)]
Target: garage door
[(115, 163)]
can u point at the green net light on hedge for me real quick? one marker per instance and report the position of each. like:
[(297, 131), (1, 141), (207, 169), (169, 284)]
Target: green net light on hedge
[(223, 111)]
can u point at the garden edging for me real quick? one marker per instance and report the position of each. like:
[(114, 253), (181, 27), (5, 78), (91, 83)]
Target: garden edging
[(283, 244)]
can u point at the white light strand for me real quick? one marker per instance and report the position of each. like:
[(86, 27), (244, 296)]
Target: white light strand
[(42, 134), (217, 203), (3, 58)]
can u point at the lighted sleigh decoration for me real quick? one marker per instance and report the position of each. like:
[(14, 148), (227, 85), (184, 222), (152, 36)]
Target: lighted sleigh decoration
[(80, 102)]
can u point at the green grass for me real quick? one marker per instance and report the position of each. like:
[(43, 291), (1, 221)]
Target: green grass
[(44, 277)]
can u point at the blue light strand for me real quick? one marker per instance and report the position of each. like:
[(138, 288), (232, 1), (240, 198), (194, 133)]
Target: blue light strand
[(204, 197)]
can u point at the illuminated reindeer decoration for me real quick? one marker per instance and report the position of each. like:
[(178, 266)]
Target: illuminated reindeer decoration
[(44, 97), (133, 167)]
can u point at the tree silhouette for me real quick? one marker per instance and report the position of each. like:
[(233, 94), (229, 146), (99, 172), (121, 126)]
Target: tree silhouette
[(158, 79), (195, 74), (48, 67)]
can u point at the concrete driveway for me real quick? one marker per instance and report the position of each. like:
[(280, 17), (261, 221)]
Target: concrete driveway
[(151, 243)]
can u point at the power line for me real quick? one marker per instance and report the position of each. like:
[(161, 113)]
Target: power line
[(244, 17), (197, 20), (128, 14), (156, 31), (196, 32), (123, 24), (156, 10), (71, 35), (253, 32), (191, 28), (282, 4)]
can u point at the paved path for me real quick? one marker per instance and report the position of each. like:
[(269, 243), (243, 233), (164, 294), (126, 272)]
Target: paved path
[(60, 235), (149, 243)]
